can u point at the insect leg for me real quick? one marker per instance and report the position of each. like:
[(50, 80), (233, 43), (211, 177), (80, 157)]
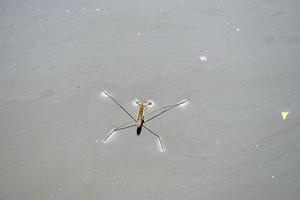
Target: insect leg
[(167, 108), (116, 129), (159, 138), (119, 104)]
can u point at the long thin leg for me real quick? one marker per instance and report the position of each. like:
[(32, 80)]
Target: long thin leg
[(160, 141), (119, 104), (116, 129), (169, 107)]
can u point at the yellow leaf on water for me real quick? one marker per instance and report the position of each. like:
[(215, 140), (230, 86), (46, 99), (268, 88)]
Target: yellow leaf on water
[(284, 115)]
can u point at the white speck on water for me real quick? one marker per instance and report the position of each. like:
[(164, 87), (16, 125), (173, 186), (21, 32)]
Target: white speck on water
[(83, 9), (195, 179), (272, 177), (227, 23), (289, 89), (237, 29), (259, 166), (67, 11), (138, 33), (97, 9), (97, 141), (256, 145), (218, 142), (203, 58)]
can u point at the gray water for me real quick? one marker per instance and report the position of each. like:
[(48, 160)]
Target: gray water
[(229, 142)]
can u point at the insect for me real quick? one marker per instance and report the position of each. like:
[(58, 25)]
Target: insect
[(140, 120)]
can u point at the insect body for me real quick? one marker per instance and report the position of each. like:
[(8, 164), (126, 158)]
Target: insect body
[(140, 115), (140, 121)]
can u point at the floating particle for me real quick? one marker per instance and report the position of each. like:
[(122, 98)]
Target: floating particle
[(138, 33), (97, 9), (237, 29), (67, 11), (83, 9), (227, 23), (272, 177), (195, 179), (203, 58), (284, 115)]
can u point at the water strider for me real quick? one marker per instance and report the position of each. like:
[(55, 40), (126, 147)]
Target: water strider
[(140, 121)]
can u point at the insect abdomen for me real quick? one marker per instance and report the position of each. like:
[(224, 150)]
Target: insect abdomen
[(139, 127)]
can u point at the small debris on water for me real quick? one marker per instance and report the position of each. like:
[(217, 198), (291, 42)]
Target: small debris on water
[(203, 58)]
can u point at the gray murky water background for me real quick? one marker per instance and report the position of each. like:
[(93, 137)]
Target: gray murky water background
[(229, 142)]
